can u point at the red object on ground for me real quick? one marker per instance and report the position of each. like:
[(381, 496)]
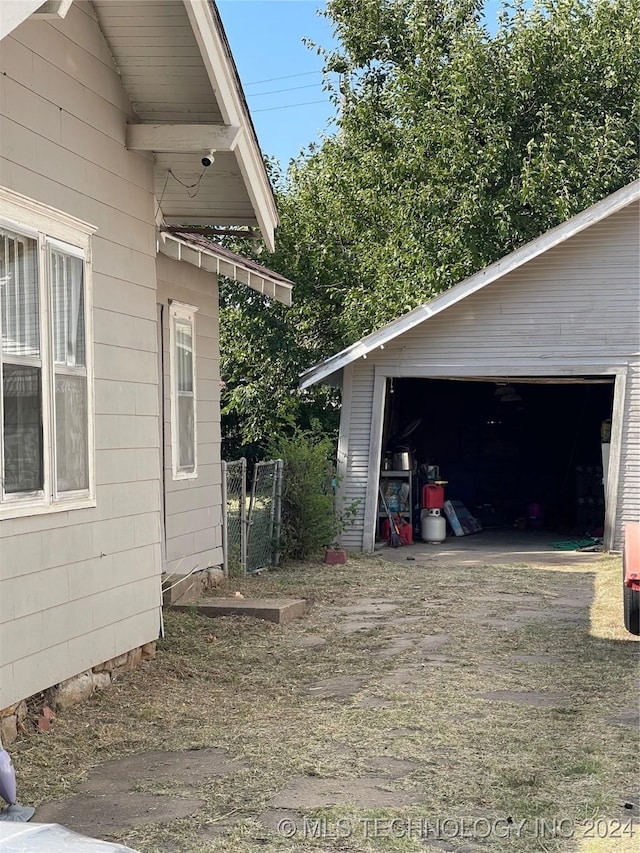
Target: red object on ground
[(335, 556), (44, 724), (432, 496), (405, 530)]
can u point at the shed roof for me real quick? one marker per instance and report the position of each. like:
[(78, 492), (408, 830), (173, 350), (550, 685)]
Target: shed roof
[(554, 237), (210, 256)]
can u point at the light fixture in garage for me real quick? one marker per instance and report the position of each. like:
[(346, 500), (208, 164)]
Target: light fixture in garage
[(507, 394)]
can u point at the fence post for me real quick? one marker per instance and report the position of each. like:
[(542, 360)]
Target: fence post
[(225, 532), (277, 511), (244, 526)]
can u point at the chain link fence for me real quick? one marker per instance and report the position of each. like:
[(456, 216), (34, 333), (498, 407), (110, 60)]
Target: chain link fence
[(234, 516), (251, 526)]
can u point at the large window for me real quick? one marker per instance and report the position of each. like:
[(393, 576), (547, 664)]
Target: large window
[(183, 390), (45, 399)]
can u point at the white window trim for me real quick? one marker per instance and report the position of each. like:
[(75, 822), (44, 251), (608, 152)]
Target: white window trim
[(182, 311), (51, 227)]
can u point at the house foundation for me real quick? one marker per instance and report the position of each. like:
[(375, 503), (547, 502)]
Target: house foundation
[(36, 712)]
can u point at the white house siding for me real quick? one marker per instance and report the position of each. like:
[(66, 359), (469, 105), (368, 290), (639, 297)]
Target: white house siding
[(628, 506), (570, 311), (356, 467), (193, 509), (80, 587)]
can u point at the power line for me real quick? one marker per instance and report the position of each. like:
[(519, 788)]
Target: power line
[(288, 106), (277, 91), (285, 77)]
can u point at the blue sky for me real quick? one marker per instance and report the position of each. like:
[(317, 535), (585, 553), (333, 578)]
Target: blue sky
[(289, 109), (282, 78)]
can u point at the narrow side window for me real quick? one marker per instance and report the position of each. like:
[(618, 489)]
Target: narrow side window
[(67, 282), (183, 391)]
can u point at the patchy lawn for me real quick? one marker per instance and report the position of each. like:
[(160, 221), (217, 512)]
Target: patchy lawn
[(414, 708)]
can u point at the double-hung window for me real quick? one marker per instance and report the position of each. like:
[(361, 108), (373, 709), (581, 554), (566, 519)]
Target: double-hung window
[(183, 391), (46, 431)]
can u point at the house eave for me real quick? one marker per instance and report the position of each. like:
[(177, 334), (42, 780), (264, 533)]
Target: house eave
[(14, 12), (222, 73)]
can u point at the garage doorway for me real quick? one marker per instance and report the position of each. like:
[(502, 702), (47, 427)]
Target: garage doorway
[(522, 453)]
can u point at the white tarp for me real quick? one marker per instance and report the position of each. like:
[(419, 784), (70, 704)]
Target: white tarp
[(51, 838)]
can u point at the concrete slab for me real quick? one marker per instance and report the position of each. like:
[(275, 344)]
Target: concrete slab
[(105, 814), (311, 641), (340, 687), (278, 610), (490, 548), (187, 767), (303, 792), (109, 801), (532, 698)]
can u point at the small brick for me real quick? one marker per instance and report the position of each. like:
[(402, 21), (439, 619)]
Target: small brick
[(134, 657), (43, 724), (101, 680), (149, 651), (8, 729)]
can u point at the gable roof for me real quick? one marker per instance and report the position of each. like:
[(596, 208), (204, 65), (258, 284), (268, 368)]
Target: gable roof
[(554, 237)]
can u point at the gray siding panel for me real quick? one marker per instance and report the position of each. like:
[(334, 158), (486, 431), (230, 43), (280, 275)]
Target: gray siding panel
[(80, 587), (357, 469), (193, 508), (628, 508)]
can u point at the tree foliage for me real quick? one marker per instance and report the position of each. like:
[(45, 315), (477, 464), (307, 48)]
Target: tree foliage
[(453, 147)]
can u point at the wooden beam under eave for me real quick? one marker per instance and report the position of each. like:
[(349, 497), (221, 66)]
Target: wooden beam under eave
[(53, 9), (175, 138)]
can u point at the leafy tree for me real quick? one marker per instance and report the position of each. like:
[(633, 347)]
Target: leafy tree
[(453, 147)]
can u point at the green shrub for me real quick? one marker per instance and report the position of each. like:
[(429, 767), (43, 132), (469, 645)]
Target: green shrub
[(308, 519)]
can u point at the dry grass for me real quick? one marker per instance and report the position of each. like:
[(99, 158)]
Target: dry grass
[(240, 684)]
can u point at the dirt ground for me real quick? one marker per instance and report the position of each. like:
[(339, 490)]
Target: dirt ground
[(421, 704)]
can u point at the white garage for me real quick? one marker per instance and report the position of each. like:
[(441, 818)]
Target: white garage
[(521, 385)]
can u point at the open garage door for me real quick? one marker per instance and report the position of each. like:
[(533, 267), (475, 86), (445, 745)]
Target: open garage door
[(522, 453)]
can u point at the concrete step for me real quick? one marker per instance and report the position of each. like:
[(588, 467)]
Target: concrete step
[(278, 610)]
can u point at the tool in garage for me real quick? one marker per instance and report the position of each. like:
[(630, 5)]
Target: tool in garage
[(394, 533)]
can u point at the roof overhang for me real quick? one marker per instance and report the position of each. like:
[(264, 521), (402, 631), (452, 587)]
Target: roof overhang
[(216, 259), (14, 12), (225, 82), (554, 237), (178, 71), (177, 68)]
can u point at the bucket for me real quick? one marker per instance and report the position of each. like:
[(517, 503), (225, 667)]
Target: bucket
[(432, 496), (402, 461)]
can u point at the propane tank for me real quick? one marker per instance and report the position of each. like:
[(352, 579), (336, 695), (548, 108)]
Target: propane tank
[(433, 526)]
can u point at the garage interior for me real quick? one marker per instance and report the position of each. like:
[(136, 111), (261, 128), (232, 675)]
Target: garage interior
[(518, 453)]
